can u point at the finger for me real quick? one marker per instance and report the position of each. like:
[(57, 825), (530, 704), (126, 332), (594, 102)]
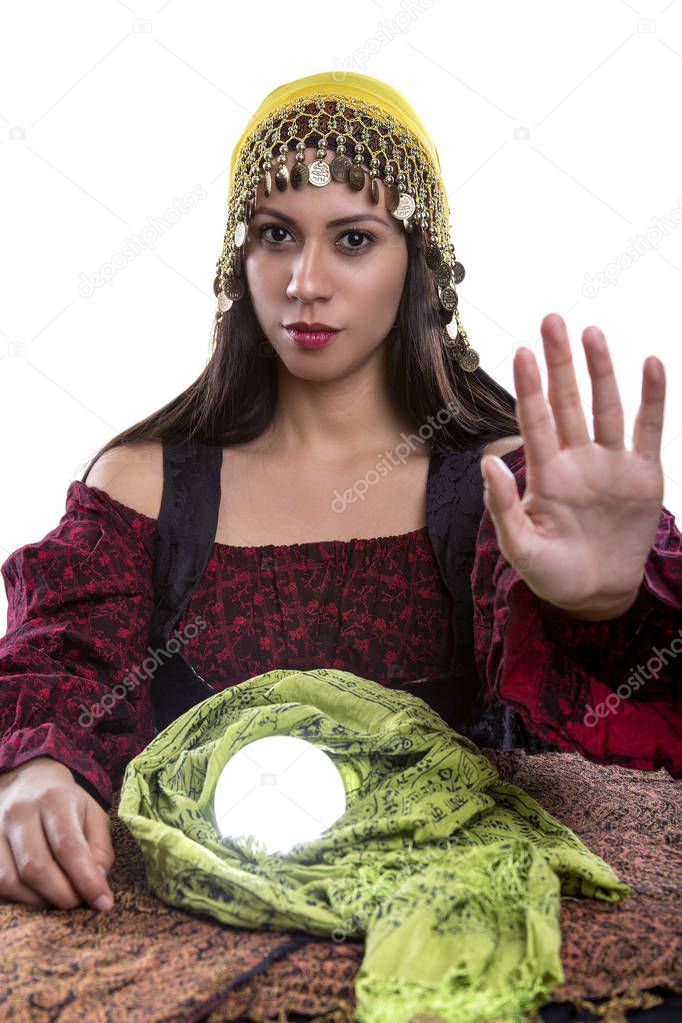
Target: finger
[(12, 887), (649, 419), (35, 864), (502, 501), (97, 833), (65, 834), (607, 409), (562, 386), (536, 425)]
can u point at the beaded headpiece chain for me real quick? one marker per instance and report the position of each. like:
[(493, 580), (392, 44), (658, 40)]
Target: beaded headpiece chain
[(370, 146)]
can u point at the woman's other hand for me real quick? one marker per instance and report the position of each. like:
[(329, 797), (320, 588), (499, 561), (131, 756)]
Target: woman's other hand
[(55, 839)]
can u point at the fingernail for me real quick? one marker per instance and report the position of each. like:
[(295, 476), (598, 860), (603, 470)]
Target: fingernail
[(104, 902), (503, 466), (102, 869)]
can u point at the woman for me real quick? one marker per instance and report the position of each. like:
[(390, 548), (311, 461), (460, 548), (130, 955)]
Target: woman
[(509, 613)]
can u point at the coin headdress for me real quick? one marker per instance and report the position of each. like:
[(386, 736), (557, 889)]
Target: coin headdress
[(375, 135)]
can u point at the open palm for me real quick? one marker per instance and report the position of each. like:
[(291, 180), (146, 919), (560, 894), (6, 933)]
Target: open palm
[(581, 534)]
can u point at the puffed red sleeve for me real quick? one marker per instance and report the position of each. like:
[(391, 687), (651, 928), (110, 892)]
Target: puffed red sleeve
[(609, 690), (73, 682)]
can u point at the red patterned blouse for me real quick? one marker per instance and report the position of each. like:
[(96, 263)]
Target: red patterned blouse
[(81, 599)]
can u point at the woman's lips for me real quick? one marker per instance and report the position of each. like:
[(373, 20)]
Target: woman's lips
[(311, 338)]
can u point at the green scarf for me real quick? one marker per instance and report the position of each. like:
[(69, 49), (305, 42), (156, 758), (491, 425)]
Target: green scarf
[(453, 875)]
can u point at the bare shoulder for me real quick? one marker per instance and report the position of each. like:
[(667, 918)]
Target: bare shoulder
[(131, 474), (502, 446)]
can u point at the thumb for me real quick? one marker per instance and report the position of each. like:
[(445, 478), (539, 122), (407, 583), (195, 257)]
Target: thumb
[(501, 499)]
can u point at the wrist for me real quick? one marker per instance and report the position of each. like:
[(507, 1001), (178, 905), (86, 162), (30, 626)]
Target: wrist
[(596, 611)]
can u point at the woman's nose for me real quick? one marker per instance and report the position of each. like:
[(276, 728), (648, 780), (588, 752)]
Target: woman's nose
[(311, 275)]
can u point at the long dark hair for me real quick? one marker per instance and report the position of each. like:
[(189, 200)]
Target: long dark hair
[(234, 398)]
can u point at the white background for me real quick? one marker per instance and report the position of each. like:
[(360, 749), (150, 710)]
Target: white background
[(558, 129)]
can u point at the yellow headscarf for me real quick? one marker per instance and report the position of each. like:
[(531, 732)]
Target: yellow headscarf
[(398, 117), (348, 84)]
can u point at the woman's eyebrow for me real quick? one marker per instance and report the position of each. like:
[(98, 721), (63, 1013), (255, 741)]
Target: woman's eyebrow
[(268, 211)]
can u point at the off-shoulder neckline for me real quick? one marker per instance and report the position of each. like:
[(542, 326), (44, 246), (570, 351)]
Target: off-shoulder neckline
[(130, 514), (395, 538)]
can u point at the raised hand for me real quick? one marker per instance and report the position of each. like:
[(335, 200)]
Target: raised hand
[(581, 534)]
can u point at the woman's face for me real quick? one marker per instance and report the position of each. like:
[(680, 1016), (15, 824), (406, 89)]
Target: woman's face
[(349, 276)]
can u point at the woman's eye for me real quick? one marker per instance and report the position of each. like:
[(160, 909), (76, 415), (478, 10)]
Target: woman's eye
[(273, 227), (359, 234), (352, 231)]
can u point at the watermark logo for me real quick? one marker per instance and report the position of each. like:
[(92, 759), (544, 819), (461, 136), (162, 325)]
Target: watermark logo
[(638, 247), (612, 702), (131, 679), (137, 243), (387, 31), (400, 453)]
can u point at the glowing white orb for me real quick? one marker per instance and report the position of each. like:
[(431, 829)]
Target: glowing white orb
[(281, 790)]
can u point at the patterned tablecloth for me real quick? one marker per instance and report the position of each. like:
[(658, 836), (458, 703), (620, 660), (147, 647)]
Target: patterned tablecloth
[(146, 962)]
